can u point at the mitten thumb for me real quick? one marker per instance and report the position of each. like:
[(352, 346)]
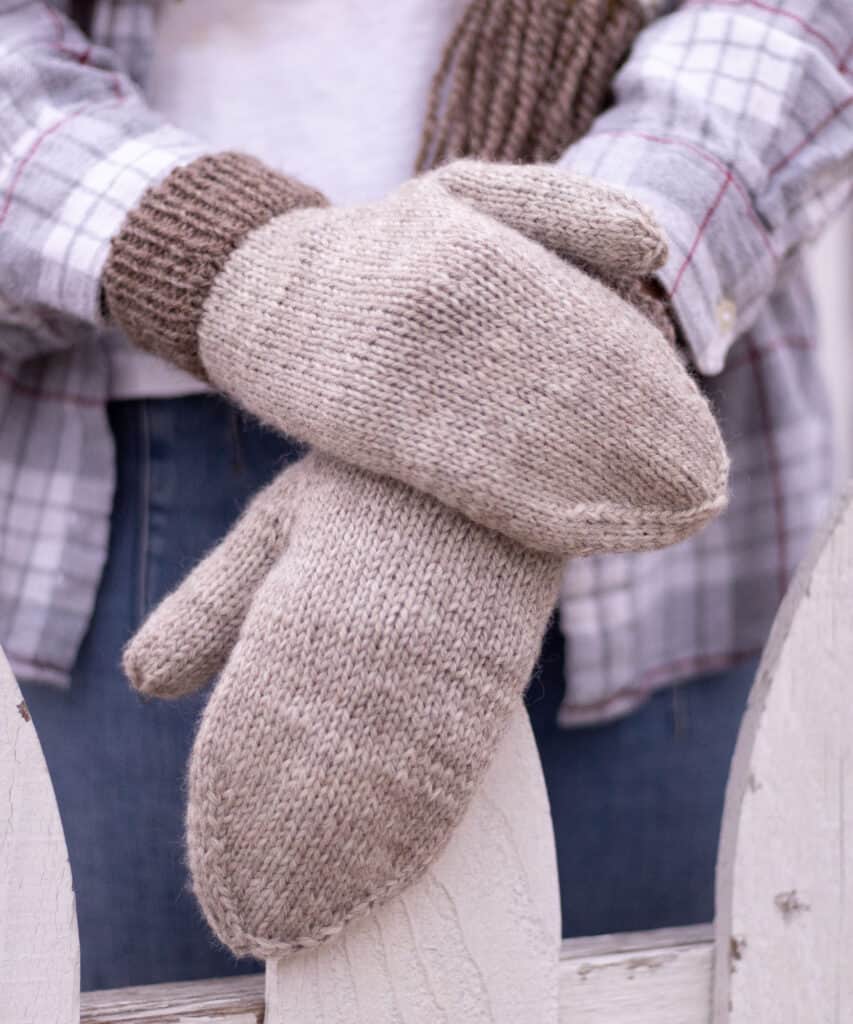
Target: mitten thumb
[(585, 221), (189, 635)]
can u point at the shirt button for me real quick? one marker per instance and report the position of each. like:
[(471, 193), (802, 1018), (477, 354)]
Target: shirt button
[(726, 316)]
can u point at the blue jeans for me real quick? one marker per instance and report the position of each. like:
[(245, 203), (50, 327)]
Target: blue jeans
[(636, 804)]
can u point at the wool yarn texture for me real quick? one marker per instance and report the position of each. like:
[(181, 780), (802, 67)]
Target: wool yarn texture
[(376, 635), (520, 80), (379, 659), (453, 316)]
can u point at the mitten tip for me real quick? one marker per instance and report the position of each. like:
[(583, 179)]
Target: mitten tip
[(145, 676), (133, 668)]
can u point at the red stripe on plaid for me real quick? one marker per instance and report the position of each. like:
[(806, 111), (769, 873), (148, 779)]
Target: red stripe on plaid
[(779, 12), (703, 227), (55, 19), (714, 162), (29, 155), (82, 57), (10, 194), (54, 396), (811, 136)]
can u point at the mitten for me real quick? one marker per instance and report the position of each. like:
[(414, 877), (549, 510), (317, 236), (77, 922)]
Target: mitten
[(444, 337), (376, 667)]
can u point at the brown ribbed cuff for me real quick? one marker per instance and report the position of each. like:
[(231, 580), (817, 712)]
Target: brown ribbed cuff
[(165, 258)]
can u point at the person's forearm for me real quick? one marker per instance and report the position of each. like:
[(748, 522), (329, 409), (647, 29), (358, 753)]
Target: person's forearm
[(79, 147), (733, 121)]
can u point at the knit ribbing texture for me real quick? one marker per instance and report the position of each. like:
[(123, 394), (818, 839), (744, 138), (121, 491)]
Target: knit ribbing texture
[(520, 80), (171, 247)]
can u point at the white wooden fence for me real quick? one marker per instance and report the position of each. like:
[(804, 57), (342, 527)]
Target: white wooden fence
[(477, 940)]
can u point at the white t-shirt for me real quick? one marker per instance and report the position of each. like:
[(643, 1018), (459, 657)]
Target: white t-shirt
[(333, 92)]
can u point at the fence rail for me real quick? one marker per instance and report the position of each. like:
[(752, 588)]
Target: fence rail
[(477, 940)]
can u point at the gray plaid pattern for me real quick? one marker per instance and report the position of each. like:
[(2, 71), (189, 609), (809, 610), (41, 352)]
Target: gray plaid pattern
[(78, 146), (56, 482), (733, 121)]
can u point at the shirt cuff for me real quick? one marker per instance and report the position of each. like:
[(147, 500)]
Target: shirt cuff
[(721, 264), (92, 213)]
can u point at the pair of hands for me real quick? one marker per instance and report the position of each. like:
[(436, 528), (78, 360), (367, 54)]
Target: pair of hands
[(454, 366), (465, 336), (461, 337)]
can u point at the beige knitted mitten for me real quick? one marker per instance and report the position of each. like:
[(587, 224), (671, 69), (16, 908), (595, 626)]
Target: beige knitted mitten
[(373, 674), (465, 314)]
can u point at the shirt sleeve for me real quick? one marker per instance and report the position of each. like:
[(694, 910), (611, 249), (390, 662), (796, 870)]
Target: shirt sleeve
[(78, 147), (733, 122)]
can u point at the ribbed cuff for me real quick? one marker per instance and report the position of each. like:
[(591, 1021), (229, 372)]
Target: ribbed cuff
[(164, 260)]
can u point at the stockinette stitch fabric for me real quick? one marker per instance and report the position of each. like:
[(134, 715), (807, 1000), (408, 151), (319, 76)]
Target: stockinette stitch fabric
[(374, 639), (452, 316), (375, 670)]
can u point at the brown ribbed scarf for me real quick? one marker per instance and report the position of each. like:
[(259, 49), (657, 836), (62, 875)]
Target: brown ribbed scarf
[(519, 80)]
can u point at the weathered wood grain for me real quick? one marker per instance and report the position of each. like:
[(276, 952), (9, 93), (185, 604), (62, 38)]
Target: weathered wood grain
[(476, 940), (785, 869), (659, 977), (223, 1001), (39, 951)]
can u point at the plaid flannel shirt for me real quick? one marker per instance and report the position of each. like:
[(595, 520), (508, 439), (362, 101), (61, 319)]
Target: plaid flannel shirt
[(732, 120)]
